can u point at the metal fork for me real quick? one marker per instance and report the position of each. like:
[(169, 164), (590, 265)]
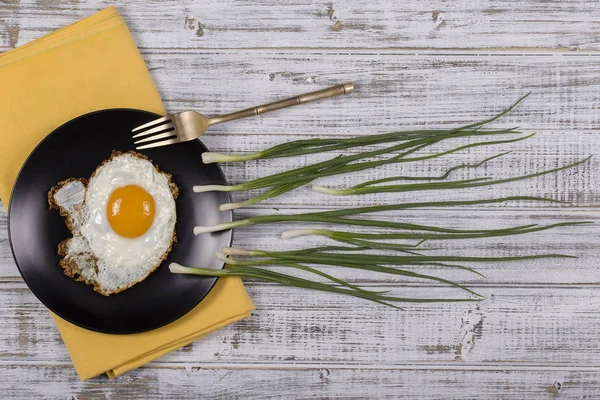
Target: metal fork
[(189, 125)]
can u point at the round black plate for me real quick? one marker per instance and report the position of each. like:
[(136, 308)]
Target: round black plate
[(75, 150)]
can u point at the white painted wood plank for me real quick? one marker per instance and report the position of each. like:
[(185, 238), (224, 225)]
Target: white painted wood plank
[(325, 382), (399, 91), (566, 25), (545, 326), (394, 89)]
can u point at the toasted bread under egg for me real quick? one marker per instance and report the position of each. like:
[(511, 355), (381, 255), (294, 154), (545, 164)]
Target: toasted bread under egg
[(68, 198)]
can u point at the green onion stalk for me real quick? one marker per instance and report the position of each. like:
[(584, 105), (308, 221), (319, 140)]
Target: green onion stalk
[(254, 268), (411, 142), (338, 216), (356, 251), (325, 256), (285, 181), (374, 187), (358, 239), (317, 145), (289, 280)]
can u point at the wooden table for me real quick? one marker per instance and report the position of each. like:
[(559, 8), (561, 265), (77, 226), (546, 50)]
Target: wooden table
[(416, 64)]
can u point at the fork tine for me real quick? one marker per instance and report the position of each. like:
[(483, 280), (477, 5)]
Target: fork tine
[(156, 137), (158, 144), (152, 123), (159, 129)]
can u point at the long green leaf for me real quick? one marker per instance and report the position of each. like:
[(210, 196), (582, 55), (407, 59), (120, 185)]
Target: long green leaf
[(288, 280), (366, 187), (318, 145)]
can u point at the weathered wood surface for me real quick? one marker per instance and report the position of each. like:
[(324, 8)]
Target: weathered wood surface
[(394, 89), (300, 381), (524, 324), (565, 25), (418, 64)]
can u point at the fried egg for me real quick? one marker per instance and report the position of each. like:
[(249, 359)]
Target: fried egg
[(122, 221)]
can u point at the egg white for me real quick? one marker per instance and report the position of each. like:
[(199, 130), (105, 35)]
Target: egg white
[(96, 254), (107, 245)]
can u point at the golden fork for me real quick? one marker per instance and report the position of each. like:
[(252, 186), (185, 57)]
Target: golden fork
[(189, 125)]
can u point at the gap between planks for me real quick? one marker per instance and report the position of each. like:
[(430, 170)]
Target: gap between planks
[(426, 51), (389, 51), (486, 51), (257, 285), (298, 366)]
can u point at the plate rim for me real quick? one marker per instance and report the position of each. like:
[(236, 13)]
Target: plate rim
[(10, 240)]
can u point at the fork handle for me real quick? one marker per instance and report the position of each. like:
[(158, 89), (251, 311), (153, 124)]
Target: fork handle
[(337, 90)]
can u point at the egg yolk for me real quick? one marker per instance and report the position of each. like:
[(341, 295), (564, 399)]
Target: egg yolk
[(130, 211)]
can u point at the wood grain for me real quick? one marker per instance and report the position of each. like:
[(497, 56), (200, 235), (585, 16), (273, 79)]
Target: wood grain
[(519, 325), (310, 381), (565, 25), (418, 64), (394, 89)]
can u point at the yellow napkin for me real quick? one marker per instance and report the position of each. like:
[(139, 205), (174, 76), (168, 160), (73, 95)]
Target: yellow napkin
[(90, 65)]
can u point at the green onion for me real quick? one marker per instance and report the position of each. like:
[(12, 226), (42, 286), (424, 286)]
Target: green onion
[(368, 266), (321, 257), (324, 257), (362, 251), (334, 216), (368, 262), (367, 187), (434, 178), (317, 250), (317, 145), (356, 238), (289, 280), (339, 165), (412, 141), (310, 170)]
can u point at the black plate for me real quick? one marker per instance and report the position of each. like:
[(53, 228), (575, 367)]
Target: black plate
[(75, 150)]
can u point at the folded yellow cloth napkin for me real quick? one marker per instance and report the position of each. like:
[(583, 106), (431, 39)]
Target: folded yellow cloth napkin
[(90, 65)]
